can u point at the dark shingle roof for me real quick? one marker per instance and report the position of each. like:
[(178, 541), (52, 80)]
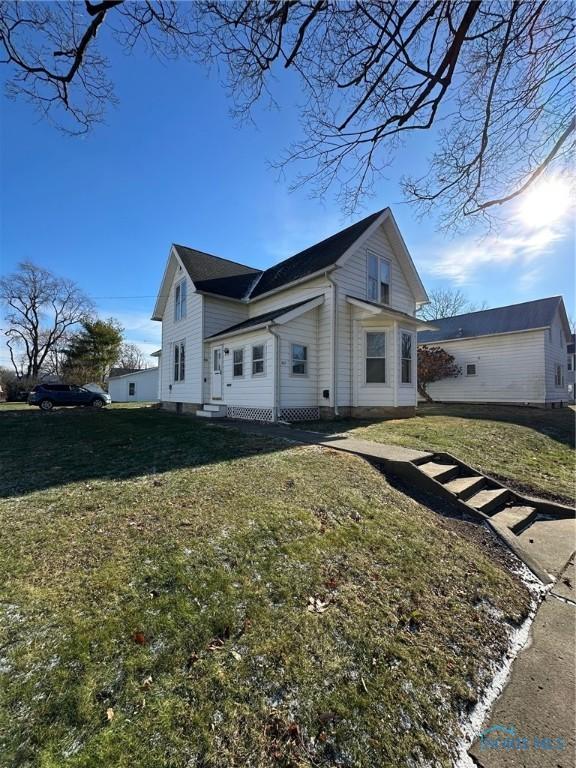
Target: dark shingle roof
[(237, 281), (204, 267), (313, 259), (266, 317), (516, 317)]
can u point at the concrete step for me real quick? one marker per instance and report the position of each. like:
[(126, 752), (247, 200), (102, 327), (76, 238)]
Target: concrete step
[(489, 499), (516, 518), (440, 472), (204, 414), (463, 487), (214, 408)]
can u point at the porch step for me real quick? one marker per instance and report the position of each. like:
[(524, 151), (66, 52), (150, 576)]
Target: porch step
[(215, 408), (205, 414), (489, 500), (440, 472), (516, 518), (463, 487)]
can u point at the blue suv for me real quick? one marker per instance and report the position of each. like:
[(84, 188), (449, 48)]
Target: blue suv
[(46, 396)]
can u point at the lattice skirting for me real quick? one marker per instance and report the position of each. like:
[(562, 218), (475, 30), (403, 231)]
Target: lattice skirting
[(250, 414), (300, 414)]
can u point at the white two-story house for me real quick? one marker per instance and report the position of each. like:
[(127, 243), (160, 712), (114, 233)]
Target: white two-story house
[(328, 332)]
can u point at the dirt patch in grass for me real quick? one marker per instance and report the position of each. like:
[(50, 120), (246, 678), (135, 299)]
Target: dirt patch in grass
[(178, 595), (529, 449)]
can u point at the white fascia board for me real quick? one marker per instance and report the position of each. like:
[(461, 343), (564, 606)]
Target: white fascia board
[(167, 278), (394, 314)]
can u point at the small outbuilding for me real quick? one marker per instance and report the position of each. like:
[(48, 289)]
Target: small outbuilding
[(138, 386), (513, 355)]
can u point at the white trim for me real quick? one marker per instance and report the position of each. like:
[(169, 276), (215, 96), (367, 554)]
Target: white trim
[(305, 361), (232, 351), (386, 382), (384, 309), (414, 346), (258, 360)]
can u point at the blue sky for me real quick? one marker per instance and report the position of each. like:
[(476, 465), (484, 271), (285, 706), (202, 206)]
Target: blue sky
[(171, 165)]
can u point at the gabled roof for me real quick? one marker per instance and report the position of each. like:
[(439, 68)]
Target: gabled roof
[(313, 259), (488, 322), (268, 317), (229, 279)]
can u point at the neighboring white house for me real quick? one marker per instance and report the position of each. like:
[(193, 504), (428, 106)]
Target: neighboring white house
[(571, 366), (329, 331), (139, 386), (514, 354)]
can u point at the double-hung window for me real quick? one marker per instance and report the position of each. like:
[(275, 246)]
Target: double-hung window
[(376, 357), (378, 279), (406, 360), (238, 363), (131, 389), (180, 300), (258, 360), (559, 376), (179, 361), (299, 360)]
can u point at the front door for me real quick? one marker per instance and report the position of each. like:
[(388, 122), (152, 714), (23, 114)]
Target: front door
[(216, 388)]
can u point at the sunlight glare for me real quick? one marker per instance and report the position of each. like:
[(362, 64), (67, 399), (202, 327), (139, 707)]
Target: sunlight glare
[(546, 203)]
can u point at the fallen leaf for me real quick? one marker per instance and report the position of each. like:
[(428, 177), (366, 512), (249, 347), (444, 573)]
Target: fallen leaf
[(147, 682), (139, 638), (109, 713), (236, 655)]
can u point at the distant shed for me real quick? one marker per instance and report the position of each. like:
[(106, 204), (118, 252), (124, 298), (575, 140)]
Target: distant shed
[(139, 386)]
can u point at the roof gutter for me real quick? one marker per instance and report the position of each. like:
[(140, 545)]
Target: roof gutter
[(482, 336)]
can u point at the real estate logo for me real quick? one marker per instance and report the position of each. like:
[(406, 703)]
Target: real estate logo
[(504, 737)]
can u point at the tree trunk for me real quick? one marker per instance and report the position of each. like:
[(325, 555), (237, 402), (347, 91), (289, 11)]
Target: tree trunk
[(424, 394)]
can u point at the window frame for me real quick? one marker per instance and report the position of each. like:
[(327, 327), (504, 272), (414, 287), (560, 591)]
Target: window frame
[(258, 360), (467, 365), (559, 380), (234, 363), (180, 300), (303, 361), (410, 359), (380, 260), (131, 389), (384, 357), (179, 366)]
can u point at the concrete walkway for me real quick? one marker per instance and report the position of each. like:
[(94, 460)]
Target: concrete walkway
[(539, 701)]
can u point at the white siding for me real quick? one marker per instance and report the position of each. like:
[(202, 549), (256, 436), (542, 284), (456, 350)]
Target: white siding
[(145, 387), (555, 342), (352, 281), (509, 369), (296, 390), (220, 314), (254, 391), (315, 287), (190, 330)]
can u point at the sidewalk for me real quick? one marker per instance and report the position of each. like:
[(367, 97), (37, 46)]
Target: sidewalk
[(539, 701)]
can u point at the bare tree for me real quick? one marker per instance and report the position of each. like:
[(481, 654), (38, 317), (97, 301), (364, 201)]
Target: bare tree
[(131, 358), (447, 302), (496, 78), (41, 309)]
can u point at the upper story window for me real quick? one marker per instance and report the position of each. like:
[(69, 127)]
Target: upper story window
[(238, 363), (179, 361), (299, 360), (378, 278), (258, 360), (406, 358), (569, 362), (180, 300)]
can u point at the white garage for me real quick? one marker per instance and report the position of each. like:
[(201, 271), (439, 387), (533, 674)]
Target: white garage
[(138, 387)]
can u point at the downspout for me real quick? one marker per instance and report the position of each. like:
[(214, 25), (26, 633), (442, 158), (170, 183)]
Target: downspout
[(276, 376), (334, 325)]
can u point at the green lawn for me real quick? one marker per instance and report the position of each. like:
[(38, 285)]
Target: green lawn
[(175, 594), (532, 449)]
